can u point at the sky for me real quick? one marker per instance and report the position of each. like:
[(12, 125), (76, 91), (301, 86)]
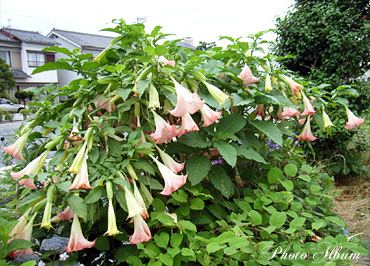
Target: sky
[(203, 20)]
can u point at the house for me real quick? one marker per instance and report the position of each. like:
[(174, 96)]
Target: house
[(87, 43), (22, 50)]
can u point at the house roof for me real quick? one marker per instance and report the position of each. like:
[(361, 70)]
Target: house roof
[(85, 40), (27, 36), (20, 74), (7, 39)]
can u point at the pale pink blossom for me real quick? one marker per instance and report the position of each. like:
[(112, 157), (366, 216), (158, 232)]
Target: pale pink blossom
[(295, 87), (164, 60), (170, 162), (187, 125), (163, 130), (172, 182), (288, 112), (353, 120), (187, 102), (306, 133), (106, 104), (260, 110), (141, 230), (247, 76), (209, 116), (308, 108), (67, 214), (76, 240), (16, 148), (82, 178)]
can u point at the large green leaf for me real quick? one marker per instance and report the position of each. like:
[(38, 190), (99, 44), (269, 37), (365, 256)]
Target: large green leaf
[(78, 206), (269, 129), (227, 151), (52, 66), (197, 167), (195, 139), (251, 154), (238, 100), (278, 219), (230, 125), (221, 181)]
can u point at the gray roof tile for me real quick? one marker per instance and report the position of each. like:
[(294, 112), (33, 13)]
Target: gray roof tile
[(29, 36), (7, 39), (84, 40)]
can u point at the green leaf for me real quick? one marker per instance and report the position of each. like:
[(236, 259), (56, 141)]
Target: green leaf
[(335, 220), (180, 196), (161, 50), (305, 178), (197, 204), (123, 93), (238, 100), (142, 85), (315, 189), (197, 167), (58, 49), (114, 146), (230, 125), (269, 129), (287, 184), (94, 195), (176, 239), (150, 50), (256, 217), (187, 225), (162, 239), (102, 243), (278, 219), (52, 66), (221, 181), (227, 151), (274, 175), (78, 206), (297, 222), (214, 246), (290, 170), (17, 244), (251, 154), (195, 139), (217, 211), (145, 166)]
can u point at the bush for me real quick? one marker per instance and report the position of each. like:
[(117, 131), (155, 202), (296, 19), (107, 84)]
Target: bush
[(5, 95), (25, 113)]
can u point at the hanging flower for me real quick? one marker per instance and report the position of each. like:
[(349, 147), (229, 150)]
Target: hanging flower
[(260, 110), (77, 241), (141, 231), (172, 182), (32, 168), (187, 102), (106, 104), (327, 122), (153, 97), (16, 148), (219, 95), (76, 165), (82, 178), (353, 121), (308, 108), (25, 234), (140, 201), (67, 214), (268, 86), (187, 125), (209, 116), (292, 84), (133, 207), (247, 76), (306, 133), (19, 227), (163, 130), (112, 224), (46, 218), (288, 112), (163, 60), (170, 163)]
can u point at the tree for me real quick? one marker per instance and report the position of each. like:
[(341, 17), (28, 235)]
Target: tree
[(329, 39), (7, 81), (205, 46), (23, 96)]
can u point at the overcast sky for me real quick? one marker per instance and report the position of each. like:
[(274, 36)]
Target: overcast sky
[(201, 19)]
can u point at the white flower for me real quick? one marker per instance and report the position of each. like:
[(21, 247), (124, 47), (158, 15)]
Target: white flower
[(63, 256), (41, 263)]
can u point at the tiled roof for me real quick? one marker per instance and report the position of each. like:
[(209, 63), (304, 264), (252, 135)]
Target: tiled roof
[(84, 40), (29, 36), (19, 74), (7, 39)]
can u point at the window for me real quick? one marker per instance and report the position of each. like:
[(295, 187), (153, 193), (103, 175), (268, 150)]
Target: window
[(36, 59), (6, 56)]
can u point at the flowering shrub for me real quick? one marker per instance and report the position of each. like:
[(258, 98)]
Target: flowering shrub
[(161, 155)]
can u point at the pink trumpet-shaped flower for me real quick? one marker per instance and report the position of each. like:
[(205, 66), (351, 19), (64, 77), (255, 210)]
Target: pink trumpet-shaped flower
[(247, 76), (141, 231), (31, 169), (306, 133), (18, 228), (187, 102), (293, 85), (187, 125), (16, 148), (67, 214), (164, 60), (172, 182), (353, 120), (82, 178), (25, 234), (133, 206), (288, 112), (76, 240), (209, 116), (169, 162), (105, 103), (140, 201), (260, 110), (308, 108), (163, 130)]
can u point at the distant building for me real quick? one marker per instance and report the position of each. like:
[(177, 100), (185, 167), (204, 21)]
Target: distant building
[(22, 51)]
